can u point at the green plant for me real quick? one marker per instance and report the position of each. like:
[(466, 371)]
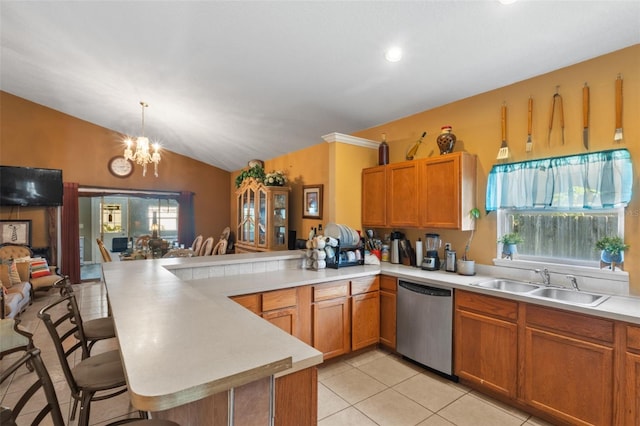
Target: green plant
[(511, 238), (256, 172), (474, 214), (613, 245)]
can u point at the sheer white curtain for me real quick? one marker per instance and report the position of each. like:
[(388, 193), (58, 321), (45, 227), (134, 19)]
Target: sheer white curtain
[(595, 180)]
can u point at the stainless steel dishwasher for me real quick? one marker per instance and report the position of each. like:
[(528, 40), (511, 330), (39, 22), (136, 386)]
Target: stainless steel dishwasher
[(425, 325)]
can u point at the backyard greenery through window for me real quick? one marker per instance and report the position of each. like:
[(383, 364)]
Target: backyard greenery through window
[(561, 236)]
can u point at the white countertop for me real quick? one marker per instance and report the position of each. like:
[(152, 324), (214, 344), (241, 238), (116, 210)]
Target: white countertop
[(184, 340)]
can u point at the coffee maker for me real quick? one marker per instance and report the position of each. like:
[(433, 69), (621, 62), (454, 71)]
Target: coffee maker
[(431, 260)]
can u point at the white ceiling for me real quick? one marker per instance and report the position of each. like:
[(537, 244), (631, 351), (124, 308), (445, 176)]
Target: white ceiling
[(227, 82)]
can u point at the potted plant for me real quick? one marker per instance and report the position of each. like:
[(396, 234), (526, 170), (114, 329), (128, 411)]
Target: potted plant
[(612, 251), (465, 265), (256, 172), (509, 244)]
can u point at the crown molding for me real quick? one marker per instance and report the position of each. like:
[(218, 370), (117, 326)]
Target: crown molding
[(351, 140)]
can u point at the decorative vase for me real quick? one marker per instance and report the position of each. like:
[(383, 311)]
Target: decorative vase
[(509, 251), (446, 140), (612, 260), (466, 267)]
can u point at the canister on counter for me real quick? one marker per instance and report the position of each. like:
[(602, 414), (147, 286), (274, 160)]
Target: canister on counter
[(385, 253)]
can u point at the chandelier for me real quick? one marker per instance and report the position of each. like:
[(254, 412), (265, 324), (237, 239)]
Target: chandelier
[(142, 154)]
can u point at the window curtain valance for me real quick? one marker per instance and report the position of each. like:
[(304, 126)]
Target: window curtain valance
[(596, 180)]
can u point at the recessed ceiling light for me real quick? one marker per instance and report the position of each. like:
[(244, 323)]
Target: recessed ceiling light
[(394, 54)]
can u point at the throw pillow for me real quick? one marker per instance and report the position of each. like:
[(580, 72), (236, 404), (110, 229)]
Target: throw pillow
[(39, 268), (14, 276)]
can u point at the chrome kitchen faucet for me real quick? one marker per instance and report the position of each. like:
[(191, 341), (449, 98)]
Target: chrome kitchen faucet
[(546, 278)]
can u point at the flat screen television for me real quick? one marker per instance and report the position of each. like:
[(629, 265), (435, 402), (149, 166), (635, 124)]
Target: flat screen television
[(28, 186)]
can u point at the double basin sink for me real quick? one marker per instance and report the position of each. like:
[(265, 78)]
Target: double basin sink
[(572, 297)]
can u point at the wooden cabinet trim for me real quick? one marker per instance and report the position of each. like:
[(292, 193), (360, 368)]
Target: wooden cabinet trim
[(570, 323), (278, 299)]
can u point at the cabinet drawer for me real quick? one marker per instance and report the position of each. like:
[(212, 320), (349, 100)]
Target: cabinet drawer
[(487, 305), (279, 299), (249, 301), (388, 283), (330, 291), (365, 285), (633, 338), (569, 323)]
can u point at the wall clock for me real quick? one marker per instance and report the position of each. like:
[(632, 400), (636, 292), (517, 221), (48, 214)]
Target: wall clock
[(120, 167)]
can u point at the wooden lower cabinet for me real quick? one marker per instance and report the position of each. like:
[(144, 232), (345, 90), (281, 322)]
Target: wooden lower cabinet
[(296, 401), (332, 327), (331, 319), (486, 342), (388, 302), (365, 320), (284, 318), (632, 376), (568, 359)]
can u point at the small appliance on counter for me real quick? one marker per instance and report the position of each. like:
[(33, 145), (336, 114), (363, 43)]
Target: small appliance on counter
[(450, 261), (432, 243), (395, 246)]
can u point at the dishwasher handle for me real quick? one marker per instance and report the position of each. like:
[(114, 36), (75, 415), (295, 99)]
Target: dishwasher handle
[(425, 289)]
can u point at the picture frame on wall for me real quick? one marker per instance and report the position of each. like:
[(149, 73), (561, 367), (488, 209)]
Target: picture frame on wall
[(312, 201), (15, 232)]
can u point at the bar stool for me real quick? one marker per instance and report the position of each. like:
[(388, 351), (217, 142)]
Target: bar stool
[(14, 340)]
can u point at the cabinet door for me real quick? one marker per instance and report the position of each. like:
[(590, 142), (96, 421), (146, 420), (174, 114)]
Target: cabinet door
[(285, 319), (402, 194), (486, 352), (279, 217), (447, 191), (632, 379), (374, 201), (332, 327), (569, 378), (365, 320), (388, 300)]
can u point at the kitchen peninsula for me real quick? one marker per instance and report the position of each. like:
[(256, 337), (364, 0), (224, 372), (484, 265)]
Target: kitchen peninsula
[(184, 342)]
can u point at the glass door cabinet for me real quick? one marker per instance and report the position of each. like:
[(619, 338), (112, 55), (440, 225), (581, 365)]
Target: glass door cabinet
[(263, 217)]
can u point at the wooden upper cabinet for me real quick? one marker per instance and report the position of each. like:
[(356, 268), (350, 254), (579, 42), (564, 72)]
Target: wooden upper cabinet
[(402, 194), (447, 191), (374, 201), (434, 192)]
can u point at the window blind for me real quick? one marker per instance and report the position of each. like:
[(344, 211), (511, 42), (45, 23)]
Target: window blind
[(595, 180)]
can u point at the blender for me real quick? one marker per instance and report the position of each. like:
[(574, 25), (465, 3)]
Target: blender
[(431, 260)]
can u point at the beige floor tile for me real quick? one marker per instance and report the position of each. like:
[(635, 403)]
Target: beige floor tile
[(430, 391), (353, 386), (389, 370), (390, 408), (534, 421), (328, 402), (348, 417), (502, 406), (366, 357), (472, 411), (435, 420), (332, 369)]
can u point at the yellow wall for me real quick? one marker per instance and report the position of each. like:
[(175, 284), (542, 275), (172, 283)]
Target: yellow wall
[(33, 135), (476, 123)]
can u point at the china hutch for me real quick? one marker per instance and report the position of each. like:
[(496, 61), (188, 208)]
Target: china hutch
[(262, 218)]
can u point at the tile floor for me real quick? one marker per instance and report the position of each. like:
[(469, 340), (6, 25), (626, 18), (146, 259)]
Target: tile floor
[(372, 388)]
